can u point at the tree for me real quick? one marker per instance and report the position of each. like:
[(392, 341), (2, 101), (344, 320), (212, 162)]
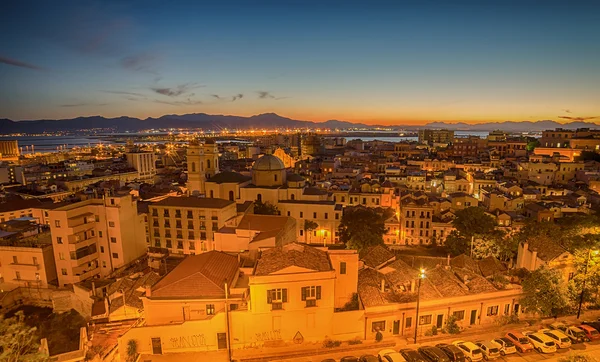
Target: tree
[(457, 244), (473, 221), (309, 226), (18, 342), (362, 227), (132, 350), (589, 274), (545, 293), (265, 208)]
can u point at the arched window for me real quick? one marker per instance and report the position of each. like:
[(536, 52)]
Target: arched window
[(275, 177), (193, 166), (259, 197), (207, 164), (231, 196), (201, 166), (212, 194), (292, 197)]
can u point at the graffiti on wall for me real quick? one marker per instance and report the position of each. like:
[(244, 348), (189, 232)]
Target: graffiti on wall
[(196, 340), (274, 335)]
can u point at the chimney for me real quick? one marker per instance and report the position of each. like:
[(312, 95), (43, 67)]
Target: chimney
[(148, 291), (93, 288), (448, 260), (382, 285)]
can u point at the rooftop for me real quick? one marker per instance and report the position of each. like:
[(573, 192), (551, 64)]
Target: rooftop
[(276, 260), (197, 202)]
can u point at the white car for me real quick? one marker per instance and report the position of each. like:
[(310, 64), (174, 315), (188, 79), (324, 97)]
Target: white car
[(389, 355), (541, 342), (471, 351), (505, 345), (561, 339), (490, 351)]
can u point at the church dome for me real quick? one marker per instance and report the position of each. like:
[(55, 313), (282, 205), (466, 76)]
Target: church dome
[(268, 163)]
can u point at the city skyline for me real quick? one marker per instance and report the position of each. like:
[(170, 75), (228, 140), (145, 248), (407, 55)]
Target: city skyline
[(391, 64)]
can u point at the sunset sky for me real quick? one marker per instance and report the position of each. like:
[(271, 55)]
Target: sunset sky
[(396, 62)]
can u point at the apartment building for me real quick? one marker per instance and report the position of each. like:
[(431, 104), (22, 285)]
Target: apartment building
[(416, 219), (431, 136), (144, 163), (94, 237), (187, 225), (27, 261), (326, 214), (254, 232)]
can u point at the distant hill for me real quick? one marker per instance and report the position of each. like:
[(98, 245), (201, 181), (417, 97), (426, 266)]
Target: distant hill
[(511, 126), (260, 121), (195, 120)]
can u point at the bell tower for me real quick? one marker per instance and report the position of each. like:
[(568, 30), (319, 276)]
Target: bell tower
[(195, 166), (210, 158)]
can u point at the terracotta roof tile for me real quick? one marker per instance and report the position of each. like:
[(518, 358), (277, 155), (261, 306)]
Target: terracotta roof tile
[(294, 254), (191, 201)]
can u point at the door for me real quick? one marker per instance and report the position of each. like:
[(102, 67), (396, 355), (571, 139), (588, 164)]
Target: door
[(221, 340), (156, 346), (516, 308), (440, 321), (396, 329), (473, 316)]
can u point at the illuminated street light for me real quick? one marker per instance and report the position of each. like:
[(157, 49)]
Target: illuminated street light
[(421, 277)]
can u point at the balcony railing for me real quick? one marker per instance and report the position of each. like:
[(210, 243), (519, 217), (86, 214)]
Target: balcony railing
[(25, 266)]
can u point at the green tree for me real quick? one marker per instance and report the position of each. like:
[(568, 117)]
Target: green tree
[(532, 144), (132, 350), (473, 221), (309, 226), (18, 342), (545, 293), (591, 275), (361, 227), (265, 208), (457, 244)]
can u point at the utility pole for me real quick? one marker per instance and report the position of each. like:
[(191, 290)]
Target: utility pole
[(421, 276), (229, 357)]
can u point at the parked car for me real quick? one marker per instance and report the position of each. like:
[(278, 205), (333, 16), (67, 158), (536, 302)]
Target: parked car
[(471, 351), (389, 355), (591, 333), (433, 354), (368, 358), (521, 342), (489, 350), (593, 324), (541, 342), (505, 346), (575, 334), (411, 355), (454, 353), (349, 359), (561, 339)]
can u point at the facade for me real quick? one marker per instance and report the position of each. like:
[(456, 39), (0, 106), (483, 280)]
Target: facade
[(92, 238), (187, 225), (27, 262), (203, 163), (144, 163), (431, 136), (255, 232), (12, 174), (9, 149)]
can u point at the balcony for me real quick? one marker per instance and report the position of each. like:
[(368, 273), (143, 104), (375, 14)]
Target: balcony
[(84, 260), (87, 274), (74, 245), (24, 266)]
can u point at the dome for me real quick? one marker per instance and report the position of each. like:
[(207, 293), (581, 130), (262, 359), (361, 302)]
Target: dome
[(268, 163)]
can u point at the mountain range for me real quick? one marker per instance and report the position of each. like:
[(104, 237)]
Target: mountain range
[(261, 121)]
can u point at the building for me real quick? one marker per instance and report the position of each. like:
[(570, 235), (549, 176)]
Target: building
[(256, 232), (431, 136), (94, 237), (203, 163), (9, 149), (12, 174), (144, 163), (187, 225), (540, 252)]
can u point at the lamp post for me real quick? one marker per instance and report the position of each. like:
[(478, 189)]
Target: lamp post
[(421, 276), (585, 270)]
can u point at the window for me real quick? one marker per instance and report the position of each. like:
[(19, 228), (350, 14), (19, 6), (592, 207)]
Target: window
[(17, 275), (312, 292), (97, 218), (99, 234), (378, 326), (210, 309), (190, 234), (408, 322), (301, 232), (506, 309), (337, 216), (57, 223), (301, 214), (59, 240), (192, 245), (493, 310), (64, 271), (276, 297), (179, 244), (113, 239), (35, 261), (342, 267), (425, 319), (169, 245), (61, 255), (289, 213), (314, 215), (15, 260), (102, 249), (459, 315), (115, 255), (326, 216), (111, 224)]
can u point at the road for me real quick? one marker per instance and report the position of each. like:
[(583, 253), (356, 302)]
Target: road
[(591, 349)]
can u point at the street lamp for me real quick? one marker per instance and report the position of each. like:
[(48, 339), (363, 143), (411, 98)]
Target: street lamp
[(421, 277), (587, 262)]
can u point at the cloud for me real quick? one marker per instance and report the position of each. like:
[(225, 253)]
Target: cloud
[(143, 62), (124, 93), (268, 95), (567, 110), (70, 105), (187, 102), (177, 90), (236, 97), (577, 118), (215, 96), (18, 63)]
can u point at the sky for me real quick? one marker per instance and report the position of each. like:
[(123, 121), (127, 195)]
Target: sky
[(394, 63)]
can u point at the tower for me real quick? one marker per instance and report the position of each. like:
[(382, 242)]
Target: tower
[(203, 163)]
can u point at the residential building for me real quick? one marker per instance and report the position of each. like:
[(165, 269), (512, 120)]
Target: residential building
[(431, 136), (144, 163), (26, 261)]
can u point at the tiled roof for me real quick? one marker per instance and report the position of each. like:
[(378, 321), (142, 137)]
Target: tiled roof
[(198, 276), (133, 289), (490, 266), (546, 248), (299, 255), (464, 262), (263, 222), (191, 201), (229, 177), (294, 177), (376, 255)]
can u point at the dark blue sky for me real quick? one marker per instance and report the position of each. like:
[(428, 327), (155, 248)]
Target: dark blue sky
[(384, 62)]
